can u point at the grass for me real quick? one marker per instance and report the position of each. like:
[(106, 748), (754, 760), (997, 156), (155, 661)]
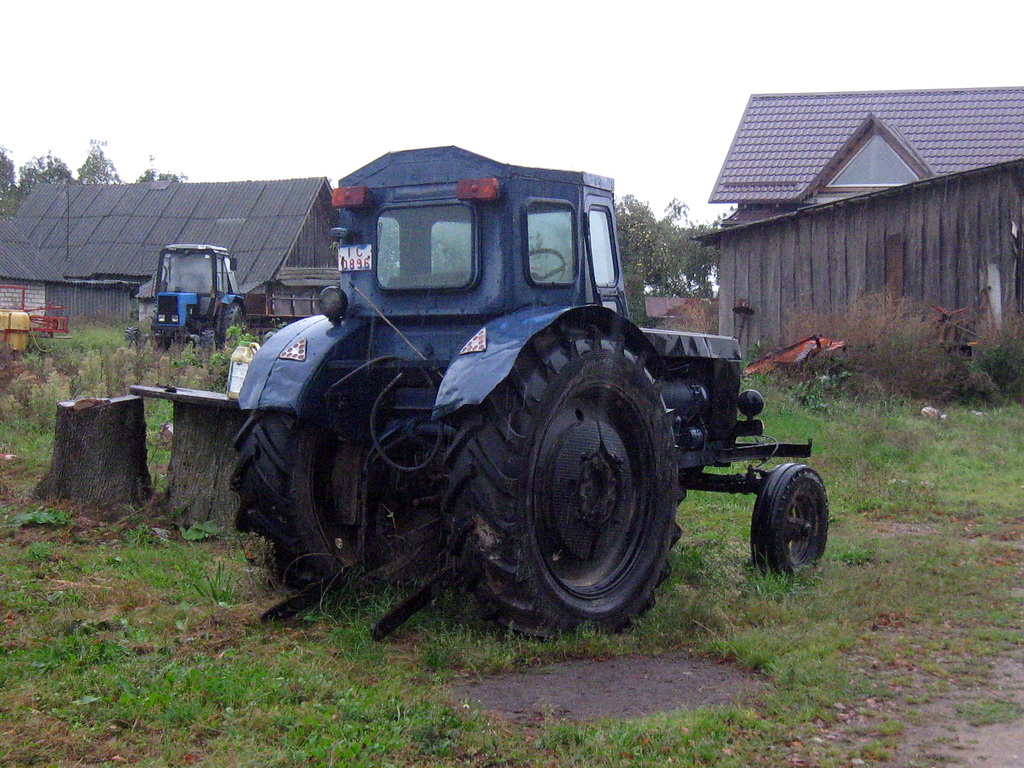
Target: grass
[(125, 645), (990, 711)]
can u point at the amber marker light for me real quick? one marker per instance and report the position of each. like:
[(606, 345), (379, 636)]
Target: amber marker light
[(485, 190), (351, 197)]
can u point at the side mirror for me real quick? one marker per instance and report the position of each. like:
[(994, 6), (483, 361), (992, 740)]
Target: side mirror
[(232, 263), (341, 235)]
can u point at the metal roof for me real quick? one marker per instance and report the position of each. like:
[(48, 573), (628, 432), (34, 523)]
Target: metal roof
[(785, 141), (726, 233), (119, 229), (440, 165), (19, 260)]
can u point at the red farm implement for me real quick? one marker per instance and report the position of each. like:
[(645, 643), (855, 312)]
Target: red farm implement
[(41, 321)]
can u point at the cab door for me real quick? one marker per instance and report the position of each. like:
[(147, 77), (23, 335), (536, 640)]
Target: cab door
[(603, 253)]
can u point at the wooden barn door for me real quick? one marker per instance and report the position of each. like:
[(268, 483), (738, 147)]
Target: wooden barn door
[(894, 264)]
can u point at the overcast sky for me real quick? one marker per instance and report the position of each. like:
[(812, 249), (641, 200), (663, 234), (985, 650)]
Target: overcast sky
[(647, 93)]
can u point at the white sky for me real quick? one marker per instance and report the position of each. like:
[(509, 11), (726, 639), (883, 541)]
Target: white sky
[(647, 93)]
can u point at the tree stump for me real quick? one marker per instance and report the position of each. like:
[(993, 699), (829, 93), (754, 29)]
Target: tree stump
[(202, 456), (99, 453), (202, 462)]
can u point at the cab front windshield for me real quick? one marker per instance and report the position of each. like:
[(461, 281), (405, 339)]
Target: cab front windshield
[(187, 273), (425, 247)]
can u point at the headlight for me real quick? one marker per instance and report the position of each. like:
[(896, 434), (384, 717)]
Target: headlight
[(750, 403), (333, 302)]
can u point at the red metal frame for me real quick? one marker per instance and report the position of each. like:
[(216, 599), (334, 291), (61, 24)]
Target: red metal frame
[(49, 325)]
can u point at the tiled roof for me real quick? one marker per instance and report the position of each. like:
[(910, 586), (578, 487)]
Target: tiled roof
[(19, 260), (785, 140), (755, 218), (96, 231)]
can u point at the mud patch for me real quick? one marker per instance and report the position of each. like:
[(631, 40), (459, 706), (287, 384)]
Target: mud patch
[(625, 687)]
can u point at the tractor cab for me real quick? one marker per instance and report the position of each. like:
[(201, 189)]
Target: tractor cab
[(196, 294), (446, 232)]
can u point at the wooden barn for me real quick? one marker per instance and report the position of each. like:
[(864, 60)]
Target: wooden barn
[(953, 241), (103, 240), (838, 195)]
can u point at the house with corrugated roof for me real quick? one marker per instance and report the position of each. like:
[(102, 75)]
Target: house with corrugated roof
[(24, 273), (795, 150), (918, 194), (103, 240)]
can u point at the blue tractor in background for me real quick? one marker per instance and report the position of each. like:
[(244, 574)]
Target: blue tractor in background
[(474, 407), (197, 297)]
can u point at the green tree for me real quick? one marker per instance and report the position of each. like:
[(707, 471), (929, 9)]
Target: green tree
[(152, 174), (98, 168), (8, 185), (660, 256), (42, 170)]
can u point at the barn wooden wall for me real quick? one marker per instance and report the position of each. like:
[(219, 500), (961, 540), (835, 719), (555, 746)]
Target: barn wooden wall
[(114, 301), (931, 242), (313, 247)]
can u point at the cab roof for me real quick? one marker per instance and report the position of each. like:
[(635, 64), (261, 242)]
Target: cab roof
[(446, 165), (195, 247)]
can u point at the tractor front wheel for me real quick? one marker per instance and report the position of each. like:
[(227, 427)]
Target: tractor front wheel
[(789, 526)]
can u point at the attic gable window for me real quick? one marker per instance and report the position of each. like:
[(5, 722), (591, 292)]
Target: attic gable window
[(876, 164)]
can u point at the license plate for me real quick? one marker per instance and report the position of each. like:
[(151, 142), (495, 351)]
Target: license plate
[(353, 258)]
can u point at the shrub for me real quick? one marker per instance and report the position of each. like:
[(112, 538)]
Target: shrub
[(98, 365), (895, 348), (999, 354), (31, 397)]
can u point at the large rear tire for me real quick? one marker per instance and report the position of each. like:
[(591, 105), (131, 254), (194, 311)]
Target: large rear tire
[(233, 315), (563, 489), (299, 487)]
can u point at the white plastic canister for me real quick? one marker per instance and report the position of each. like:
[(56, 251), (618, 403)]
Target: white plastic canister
[(240, 360)]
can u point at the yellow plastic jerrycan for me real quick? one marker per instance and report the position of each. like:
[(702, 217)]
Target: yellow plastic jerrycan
[(14, 329), (240, 360)]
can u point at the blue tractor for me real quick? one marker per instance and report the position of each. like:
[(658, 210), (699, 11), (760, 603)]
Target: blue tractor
[(474, 407), (197, 297)]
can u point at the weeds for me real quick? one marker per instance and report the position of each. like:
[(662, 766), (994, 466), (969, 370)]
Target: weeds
[(201, 531), (42, 517), (897, 348), (216, 585)]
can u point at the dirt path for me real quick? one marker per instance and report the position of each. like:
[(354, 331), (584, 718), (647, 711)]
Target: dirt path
[(631, 687), (945, 736)]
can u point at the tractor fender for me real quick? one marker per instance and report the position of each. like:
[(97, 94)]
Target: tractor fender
[(288, 383), (472, 375)]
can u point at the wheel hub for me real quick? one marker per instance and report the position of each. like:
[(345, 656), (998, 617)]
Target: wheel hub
[(584, 500), (600, 486)]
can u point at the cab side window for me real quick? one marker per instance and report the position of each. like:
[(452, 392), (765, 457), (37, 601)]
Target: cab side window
[(551, 243), (601, 247)]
